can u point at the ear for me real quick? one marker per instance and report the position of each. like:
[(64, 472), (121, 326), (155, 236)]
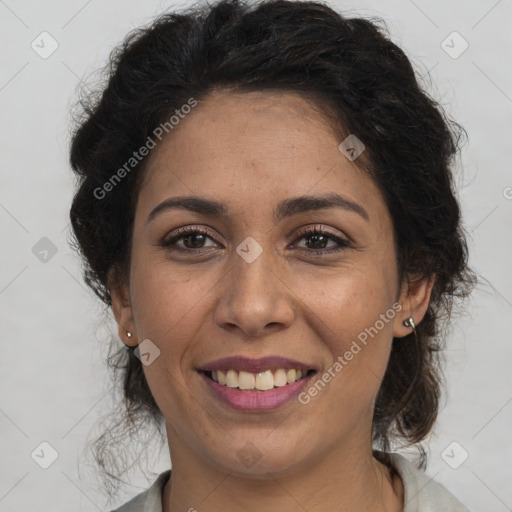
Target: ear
[(414, 299), (122, 309)]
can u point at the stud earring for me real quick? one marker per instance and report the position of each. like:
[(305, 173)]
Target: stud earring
[(129, 334), (410, 323)]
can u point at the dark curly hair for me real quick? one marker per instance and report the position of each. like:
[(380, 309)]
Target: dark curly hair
[(350, 69)]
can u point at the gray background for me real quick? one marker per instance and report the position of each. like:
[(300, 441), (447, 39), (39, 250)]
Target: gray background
[(54, 383)]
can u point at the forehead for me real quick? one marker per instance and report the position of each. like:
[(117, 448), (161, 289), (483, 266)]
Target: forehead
[(249, 149)]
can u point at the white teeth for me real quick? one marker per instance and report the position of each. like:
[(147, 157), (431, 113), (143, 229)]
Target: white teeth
[(262, 381), (232, 379), (280, 378), (246, 380)]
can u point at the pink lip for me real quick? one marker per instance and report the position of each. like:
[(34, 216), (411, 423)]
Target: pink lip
[(246, 364), (256, 401)]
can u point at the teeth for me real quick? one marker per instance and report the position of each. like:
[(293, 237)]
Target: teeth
[(280, 378), (246, 380), (262, 381), (232, 379), (290, 376)]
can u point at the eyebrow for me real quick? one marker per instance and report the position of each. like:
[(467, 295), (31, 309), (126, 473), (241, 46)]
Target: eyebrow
[(286, 208)]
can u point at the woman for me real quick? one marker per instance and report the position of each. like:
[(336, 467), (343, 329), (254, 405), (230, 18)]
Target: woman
[(266, 203)]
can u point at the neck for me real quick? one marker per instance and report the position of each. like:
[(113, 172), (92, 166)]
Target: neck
[(341, 480)]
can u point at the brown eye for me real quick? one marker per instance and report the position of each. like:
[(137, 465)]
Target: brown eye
[(192, 239), (318, 240)]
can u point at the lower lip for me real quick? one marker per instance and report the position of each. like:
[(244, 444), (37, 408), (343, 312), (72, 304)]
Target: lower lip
[(256, 400)]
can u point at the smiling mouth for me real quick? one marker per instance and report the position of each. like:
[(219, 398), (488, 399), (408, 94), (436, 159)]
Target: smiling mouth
[(260, 381)]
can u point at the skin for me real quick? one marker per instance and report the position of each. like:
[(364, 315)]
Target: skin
[(250, 151)]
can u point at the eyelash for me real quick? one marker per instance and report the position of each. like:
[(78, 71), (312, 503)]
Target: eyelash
[(343, 243)]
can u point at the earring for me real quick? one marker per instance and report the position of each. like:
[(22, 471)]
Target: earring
[(129, 334), (410, 323)]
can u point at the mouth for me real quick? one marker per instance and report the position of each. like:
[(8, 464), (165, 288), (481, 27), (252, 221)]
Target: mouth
[(256, 384)]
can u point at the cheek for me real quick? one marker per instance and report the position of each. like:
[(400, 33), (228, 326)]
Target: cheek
[(169, 312), (348, 299), (167, 298), (353, 313), (169, 309)]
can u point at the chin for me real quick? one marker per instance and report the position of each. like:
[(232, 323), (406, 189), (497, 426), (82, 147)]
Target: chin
[(257, 455)]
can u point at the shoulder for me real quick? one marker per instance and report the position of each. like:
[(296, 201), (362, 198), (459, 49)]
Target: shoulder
[(421, 492), (149, 500)]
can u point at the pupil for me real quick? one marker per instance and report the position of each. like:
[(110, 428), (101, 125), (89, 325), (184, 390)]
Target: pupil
[(192, 236), (317, 237)]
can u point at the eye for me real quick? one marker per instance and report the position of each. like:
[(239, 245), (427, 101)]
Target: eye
[(193, 240), (320, 237)]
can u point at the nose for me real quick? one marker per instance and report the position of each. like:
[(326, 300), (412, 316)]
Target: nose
[(254, 298)]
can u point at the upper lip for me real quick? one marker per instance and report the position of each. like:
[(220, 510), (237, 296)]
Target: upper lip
[(240, 363)]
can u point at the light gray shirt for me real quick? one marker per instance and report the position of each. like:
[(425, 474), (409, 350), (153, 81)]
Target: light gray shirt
[(421, 493)]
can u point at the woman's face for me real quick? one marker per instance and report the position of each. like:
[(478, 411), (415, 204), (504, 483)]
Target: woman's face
[(254, 284)]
